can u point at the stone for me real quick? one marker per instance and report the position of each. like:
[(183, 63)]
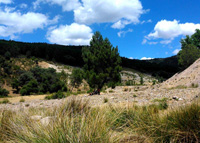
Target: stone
[(36, 117), (175, 98), (180, 99), (46, 121)]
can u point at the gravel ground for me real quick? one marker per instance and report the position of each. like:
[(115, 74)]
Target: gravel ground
[(120, 95)]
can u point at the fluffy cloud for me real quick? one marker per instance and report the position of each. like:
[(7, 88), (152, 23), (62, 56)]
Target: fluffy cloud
[(175, 52), (145, 58), (123, 33), (170, 29), (6, 1), (119, 12), (12, 23), (67, 5), (74, 34)]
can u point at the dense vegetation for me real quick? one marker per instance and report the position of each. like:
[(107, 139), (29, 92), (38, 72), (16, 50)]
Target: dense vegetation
[(72, 55), (102, 63), (164, 68), (190, 50), (3, 92), (38, 80)]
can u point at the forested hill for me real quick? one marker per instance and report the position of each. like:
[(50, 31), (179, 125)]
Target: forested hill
[(71, 55), (162, 67)]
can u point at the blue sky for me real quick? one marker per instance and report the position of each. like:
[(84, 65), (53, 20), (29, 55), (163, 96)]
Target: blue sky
[(140, 28)]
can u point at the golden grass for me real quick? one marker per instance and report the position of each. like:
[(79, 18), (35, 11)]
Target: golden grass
[(26, 98), (77, 122)]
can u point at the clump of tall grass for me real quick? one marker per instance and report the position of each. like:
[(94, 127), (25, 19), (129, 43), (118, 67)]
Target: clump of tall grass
[(73, 122), (180, 125)]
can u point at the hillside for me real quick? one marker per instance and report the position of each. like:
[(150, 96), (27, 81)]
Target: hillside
[(72, 55), (190, 77)]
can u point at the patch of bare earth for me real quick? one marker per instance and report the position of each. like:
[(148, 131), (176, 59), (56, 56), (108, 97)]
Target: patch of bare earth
[(140, 95)]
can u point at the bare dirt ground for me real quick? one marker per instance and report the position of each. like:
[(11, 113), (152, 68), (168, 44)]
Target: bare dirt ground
[(140, 95)]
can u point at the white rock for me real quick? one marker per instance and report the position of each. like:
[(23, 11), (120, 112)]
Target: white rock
[(36, 117), (45, 121), (180, 99)]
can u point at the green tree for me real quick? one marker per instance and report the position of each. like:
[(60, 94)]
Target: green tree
[(15, 84), (31, 87), (141, 80), (190, 50), (188, 55), (76, 77), (3, 92), (102, 62)]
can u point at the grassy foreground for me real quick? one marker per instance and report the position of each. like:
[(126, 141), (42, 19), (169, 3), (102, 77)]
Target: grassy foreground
[(77, 122)]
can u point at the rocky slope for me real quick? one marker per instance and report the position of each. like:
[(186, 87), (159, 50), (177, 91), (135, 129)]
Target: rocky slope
[(190, 77)]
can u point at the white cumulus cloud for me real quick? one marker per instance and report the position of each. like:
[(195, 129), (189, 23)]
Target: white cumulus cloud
[(12, 23), (145, 58), (6, 1), (119, 12), (175, 52), (74, 34), (67, 5), (168, 30)]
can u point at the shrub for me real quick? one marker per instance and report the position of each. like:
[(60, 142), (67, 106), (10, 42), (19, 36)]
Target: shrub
[(154, 82), (22, 100), (3, 92), (194, 85), (39, 80), (5, 101), (134, 95), (105, 100), (58, 95)]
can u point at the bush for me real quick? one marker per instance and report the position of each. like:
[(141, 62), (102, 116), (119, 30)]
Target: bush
[(5, 101), (3, 92), (22, 100), (58, 95), (105, 100), (31, 87), (39, 80)]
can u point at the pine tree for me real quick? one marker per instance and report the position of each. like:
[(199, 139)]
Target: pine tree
[(102, 62)]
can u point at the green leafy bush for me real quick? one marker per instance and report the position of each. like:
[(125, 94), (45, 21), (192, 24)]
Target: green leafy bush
[(39, 80), (3, 92), (58, 95)]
